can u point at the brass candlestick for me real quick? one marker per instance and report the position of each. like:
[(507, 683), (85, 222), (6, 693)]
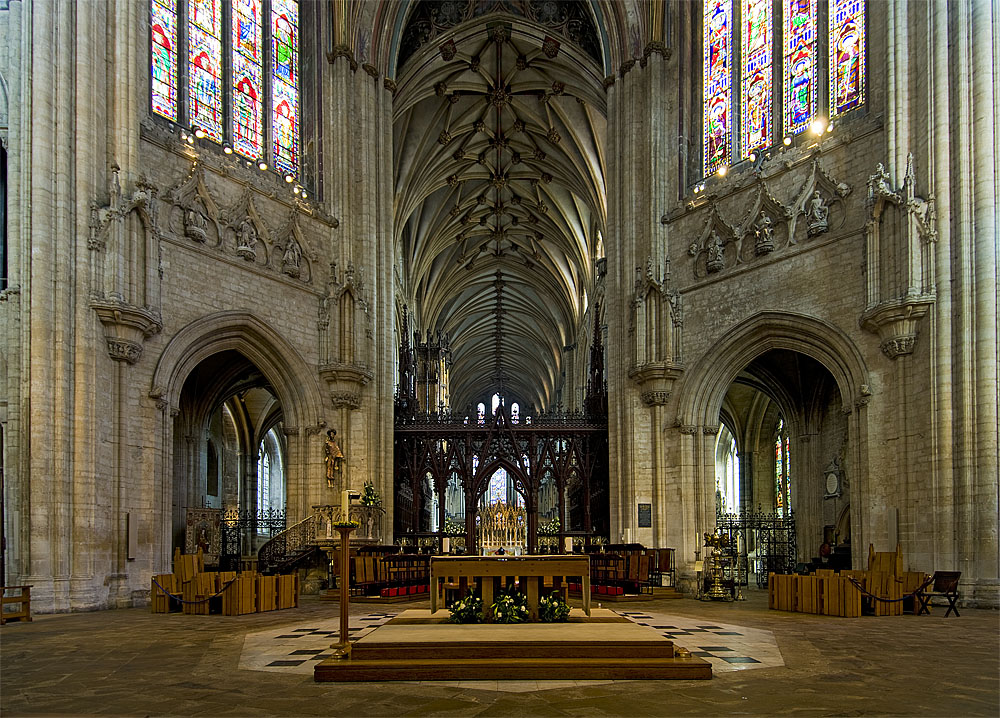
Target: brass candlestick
[(343, 648), (716, 541)]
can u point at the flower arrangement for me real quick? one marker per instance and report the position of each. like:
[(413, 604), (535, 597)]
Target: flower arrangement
[(467, 610), (510, 608), (549, 528), (451, 526), (553, 609), (345, 524), (369, 496)]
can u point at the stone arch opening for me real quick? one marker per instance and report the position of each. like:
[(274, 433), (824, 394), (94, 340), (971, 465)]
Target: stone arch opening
[(230, 379), (788, 375)]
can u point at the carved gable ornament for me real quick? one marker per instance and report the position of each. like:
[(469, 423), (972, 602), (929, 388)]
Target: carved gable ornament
[(899, 238)]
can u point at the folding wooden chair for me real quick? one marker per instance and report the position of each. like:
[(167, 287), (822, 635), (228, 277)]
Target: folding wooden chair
[(945, 584)]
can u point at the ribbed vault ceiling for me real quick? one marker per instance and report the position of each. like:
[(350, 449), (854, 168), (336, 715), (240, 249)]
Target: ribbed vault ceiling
[(499, 175)]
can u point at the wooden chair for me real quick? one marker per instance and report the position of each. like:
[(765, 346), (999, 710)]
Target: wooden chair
[(945, 584)]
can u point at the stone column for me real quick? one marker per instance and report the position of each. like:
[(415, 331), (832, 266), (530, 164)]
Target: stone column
[(640, 175), (359, 128)]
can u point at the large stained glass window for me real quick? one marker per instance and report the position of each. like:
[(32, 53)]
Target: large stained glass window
[(717, 84), (248, 75), (205, 66), (285, 84), (847, 55), (163, 48), (241, 83), (799, 64), (796, 40), (757, 51)]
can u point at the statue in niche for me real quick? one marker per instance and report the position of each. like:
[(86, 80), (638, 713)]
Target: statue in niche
[(818, 215), (716, 248), (246, 240), (291, 260), (763, 235), (334, 458), (195, 226)]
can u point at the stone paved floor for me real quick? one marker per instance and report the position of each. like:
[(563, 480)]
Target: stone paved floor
[(133, 663)]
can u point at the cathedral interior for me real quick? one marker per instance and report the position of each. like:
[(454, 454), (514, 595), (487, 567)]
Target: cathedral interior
[(616, 272)]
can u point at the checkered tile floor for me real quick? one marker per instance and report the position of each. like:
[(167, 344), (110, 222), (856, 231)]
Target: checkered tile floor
[(287, 649), (725, 646)]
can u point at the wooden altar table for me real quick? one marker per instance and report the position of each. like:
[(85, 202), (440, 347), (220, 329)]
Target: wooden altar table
[(532, 570)]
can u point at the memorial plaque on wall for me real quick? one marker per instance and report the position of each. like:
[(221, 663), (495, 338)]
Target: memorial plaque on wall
[(645, 516)]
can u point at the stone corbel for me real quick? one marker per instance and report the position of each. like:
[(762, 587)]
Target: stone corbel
[(345, 382), (125, 328), (896, 322), (655, 380)]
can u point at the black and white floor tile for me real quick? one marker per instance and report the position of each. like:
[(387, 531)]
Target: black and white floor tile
[(727, 647)]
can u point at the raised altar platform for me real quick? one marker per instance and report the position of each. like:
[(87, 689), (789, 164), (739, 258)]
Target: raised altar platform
[(420, 646)]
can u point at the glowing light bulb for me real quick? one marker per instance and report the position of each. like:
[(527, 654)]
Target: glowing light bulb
[(787, 141), (722, 171), (262, 165), (228, 150)]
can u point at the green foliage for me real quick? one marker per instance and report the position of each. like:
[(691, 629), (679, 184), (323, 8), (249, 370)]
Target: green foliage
[(511, 608), (370, 497), (467, 610), (553, 609)]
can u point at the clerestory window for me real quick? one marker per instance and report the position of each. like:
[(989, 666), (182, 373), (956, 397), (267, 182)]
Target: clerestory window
[(229, 71), (773, 68)]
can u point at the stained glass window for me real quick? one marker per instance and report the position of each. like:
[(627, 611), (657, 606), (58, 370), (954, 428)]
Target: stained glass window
[(847, 55), (163, 49), (247, 79), (497, 492), (782, 472), (756, 51), (205, 66), (285, 84), (799, 66), (716, 78)]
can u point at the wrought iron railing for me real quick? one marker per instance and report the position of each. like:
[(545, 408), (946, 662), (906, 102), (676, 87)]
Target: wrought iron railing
[(289, 545), (759, 543), (242, 531)]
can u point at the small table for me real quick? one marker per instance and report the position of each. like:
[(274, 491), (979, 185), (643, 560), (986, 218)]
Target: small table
[(533, 569)]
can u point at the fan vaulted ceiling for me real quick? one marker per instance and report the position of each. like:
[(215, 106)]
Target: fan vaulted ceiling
[(500, 199)]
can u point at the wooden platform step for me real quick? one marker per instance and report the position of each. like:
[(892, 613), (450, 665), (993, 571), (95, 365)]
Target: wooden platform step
[(565, 668)]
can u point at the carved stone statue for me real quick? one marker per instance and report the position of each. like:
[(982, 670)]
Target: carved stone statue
[(334, 458), (763, 235), (246, 240), (715, 249), (195, 226), (817, 215), (291, 261)]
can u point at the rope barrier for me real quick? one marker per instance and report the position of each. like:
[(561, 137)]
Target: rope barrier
[(861, 588), (203, 600)]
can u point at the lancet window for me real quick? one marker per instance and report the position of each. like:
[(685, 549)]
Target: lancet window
[(782, 471), (229, 71), (779, 70)]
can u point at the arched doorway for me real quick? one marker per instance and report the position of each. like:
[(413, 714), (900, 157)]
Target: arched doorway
[(229, 383), (781, 427), (778, 374), (230, 454)]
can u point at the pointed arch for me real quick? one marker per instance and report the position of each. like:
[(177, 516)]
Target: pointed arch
[(294, 384), (704, 386)]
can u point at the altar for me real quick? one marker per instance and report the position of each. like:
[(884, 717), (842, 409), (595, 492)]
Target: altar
[(487, 571)]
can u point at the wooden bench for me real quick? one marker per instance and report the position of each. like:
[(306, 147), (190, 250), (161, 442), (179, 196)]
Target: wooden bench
[(23, 600), (945, 585)]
